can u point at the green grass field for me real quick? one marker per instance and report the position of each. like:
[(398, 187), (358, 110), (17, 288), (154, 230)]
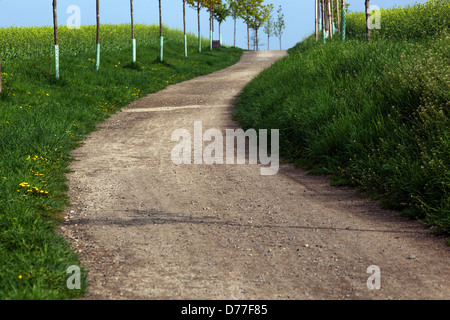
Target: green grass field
[(373, 115), (42, 120)]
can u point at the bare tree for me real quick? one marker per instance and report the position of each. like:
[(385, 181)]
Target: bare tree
[(280, 25), (269, 29)]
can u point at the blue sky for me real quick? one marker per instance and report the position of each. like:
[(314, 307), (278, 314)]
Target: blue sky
[(299, 15)]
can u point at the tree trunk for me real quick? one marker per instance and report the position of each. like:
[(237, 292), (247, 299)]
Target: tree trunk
[(132, 19), (220, 33), (98, 20), (160, 20), (248, 34), (161, 37), (210, 29), (184, 16), (184, 29), (97, 61), (317, 20), (235, 21), (332, 16), (133, 40), (338, 17), (344, 20), (368, 20), (55, 30), (199, 32), (55, 22), (330, 23), (324, 24)]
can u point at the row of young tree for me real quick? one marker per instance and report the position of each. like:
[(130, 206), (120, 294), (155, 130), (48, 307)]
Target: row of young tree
[(331, 18), (254, 13), (133, 38)]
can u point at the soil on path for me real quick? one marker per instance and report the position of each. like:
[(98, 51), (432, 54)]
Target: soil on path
[(149, 229)]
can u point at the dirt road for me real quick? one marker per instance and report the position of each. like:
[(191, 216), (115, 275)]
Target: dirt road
[(149, 229)]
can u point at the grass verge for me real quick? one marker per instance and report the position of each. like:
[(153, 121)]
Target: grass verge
[(42, 120), (373, 115)]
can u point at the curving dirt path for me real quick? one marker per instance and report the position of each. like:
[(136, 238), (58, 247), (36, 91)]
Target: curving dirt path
[(148, 229)]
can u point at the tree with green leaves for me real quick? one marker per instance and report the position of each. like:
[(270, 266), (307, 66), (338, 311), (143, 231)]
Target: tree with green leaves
[(280, 24), (221, 13), (197, 5), (211, 6), (259, 15), (251, 11), (245, 11)]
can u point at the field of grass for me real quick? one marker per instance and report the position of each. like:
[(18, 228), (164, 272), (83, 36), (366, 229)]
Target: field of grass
[(373, 115), (42, 120)]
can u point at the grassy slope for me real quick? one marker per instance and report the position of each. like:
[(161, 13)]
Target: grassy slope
[(374, 115), (42, 120)]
